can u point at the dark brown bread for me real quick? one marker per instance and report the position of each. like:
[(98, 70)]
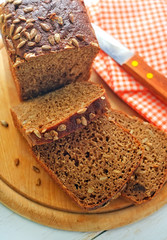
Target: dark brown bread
[(151, 174), (93, 164), (49, 43), (56, 114)]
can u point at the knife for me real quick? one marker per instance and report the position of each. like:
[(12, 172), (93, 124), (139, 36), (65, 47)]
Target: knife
[(132, 63)]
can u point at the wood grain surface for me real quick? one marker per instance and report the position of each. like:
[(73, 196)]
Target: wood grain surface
[(48, 204)]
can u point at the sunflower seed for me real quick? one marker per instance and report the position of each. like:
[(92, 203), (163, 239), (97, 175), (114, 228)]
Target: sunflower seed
[(22, 18), (17, 36), (17, 2), (37, 38), (103, 178), (36, 169), (57, 37), (9, 43), (18, 61), (33, 33), (44, 130), (81, 111), (4, 123), (29, 25), (18, 30), (91, 115), (17, 162), (27, 56), (38, 182), (84, 121), (41, 18), (78, 121), (94, 44), (3, 30), (16, 20), (28, 9), (27, 35), (30, 20), (60, 21), (90, 190), (75, 42), (51, 39), (80, 37), (61, 128), (1, 18), (31, 44), (45, 27), (46, 47), (8, 16), (116, 171), (11, 31), (37, 133), (21, 44), (71, 17)]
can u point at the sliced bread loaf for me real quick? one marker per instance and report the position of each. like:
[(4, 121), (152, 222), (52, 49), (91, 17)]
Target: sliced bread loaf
[(58, 113), (151, 174), (92, 164)]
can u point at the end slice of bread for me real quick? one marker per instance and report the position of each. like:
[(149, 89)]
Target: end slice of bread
[(56, 114), (150, 176), (93, 164)]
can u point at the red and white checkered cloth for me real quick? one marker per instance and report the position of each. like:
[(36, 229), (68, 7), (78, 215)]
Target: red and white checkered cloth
[(142, 26)]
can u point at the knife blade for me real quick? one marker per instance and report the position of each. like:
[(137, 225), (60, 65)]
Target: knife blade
[(132, 63)]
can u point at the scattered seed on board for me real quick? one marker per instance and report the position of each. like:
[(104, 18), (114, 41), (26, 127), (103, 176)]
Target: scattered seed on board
[(8, 16), (31, 44), (17, 162), (78, 121), (38, 182), (36, 169), (4, 123)]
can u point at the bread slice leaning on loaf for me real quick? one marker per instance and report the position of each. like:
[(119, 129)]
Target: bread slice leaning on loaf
[(92, 164), (56, 114), (49, 44), (150, 176)]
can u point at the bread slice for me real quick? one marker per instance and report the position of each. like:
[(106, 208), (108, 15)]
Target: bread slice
[(58, 113), (151, 174), (93, 164), (49, 44)]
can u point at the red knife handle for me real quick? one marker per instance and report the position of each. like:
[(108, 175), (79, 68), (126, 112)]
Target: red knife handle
[(150, 78)]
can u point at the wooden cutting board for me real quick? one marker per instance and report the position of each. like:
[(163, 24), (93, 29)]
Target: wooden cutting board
[(48, 204)]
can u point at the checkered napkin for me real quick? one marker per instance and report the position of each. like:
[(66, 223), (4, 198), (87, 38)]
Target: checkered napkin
[(141, 25)]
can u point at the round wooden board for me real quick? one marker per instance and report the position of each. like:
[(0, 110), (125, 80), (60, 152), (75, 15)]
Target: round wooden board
[(48, 204)]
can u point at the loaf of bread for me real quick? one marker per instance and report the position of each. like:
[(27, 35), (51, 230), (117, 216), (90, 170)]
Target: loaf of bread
[(56, 114), (50, 43), (92, 164), (151, 174)]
